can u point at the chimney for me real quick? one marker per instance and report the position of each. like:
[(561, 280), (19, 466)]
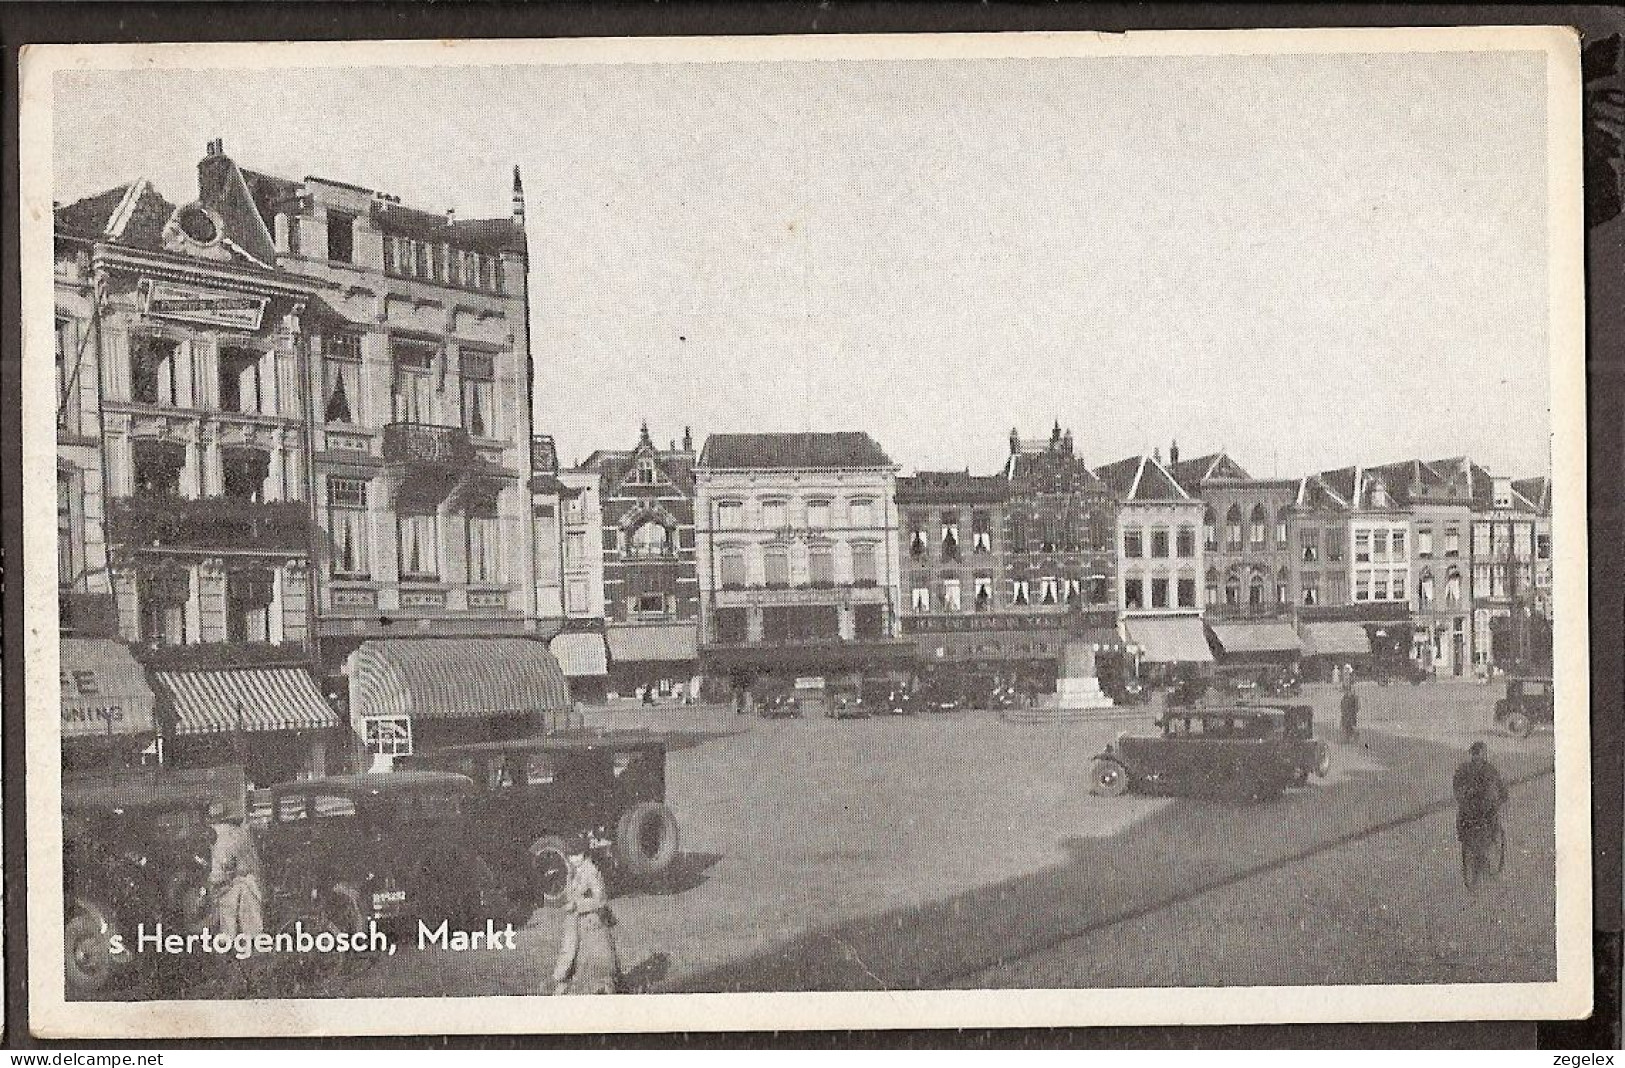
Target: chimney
[(217, 147), (1055, 435), (643, 435), (451, 216), (1156, 454), (1173, 452), (688, 440), (1066, 443), (1015, 441), (518, 197)]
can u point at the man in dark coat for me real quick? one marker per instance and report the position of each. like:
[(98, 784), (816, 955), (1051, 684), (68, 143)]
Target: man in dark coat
[(1349, 719), (1480, 793)]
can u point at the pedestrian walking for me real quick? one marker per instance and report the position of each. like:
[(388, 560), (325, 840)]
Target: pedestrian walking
[(1349, 718), (1337, 674), (1480, 793), (588, 962)]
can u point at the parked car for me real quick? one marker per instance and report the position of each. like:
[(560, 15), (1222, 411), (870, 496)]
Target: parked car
[(1187, 691), (1126, 691), (531, 794), (1528, 703), (845, 701), (777, 701), (884, 696), (940, 693), (1405, 670), (140, 859), (1254, 752)]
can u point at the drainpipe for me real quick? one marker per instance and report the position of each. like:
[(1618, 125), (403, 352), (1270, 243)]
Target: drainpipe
[(313, 600)]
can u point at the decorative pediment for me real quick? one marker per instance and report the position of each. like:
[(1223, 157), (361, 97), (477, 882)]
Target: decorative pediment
[(644, 513)]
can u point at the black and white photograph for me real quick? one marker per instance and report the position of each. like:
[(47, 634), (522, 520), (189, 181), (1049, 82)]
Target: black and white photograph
[(917, 531)]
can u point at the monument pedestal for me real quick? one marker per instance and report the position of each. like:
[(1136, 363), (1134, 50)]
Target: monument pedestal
[(1078, 695), (1081, 693)]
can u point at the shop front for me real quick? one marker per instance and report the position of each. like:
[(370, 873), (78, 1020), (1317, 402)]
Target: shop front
[(273, 721), (108, 720), (415, 694), (754, 671), (1261, 644), (1169, 645), (1026, 648), (659, 658), (584, 659), (1328, 645)]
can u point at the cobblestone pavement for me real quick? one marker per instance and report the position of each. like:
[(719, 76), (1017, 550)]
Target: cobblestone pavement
[(937, 850)]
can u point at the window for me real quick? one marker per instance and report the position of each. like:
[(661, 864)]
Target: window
[(1362, 585), (650, 539), (420, 259), (921, 599), (862, 513), (340, 236), (164, 596), (1018, 534), (484, 546), (1543, 546), (732, 567), (1159, 593), (419, 546), (1258, 527), (1424, 542), (1187, 593), (411, 395), (241, 387), (1133, 593), (1309, 545), (982, 599), (483, 266), (1396, 586), (1051, 537), (950, 535), (158, 467), (1099, 589), (1452, 540), (775, 515), (916, 538), (776, 568), (1310, 591), (387, 735), (341, 378), (650, 605), (732, 627), (479, 393), (1281, 539), (1212, 586), (1210, 531), (1334, 545), (1133, 547), (818, 514), (1255, 591), (730, 515), (1185, 543), (577, 597), (1072, 591), (863, 565), (981, 533), (1336, 589), (1379, 546), (575, 547), (1046, 591), (821, 565), (1232, 590), (1521, 541), (155, 375), (1452, 588), (245, 472), (1397, 543), (499, 281), (1362, 546), (1424, 590), (249, 594), (1159, 544), (1020, 593), (69, 542), (437, 254), (1282, 581), (1232, 529), (67, 378), (347, 526)]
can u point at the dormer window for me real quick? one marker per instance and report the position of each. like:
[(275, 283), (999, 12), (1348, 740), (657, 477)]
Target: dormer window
[(340, 236)]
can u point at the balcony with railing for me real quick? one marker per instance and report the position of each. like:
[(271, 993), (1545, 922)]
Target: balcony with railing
[(163, 522), (429, 444)]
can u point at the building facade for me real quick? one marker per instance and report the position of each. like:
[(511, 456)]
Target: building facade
[(1160, 561), (650, 581), (1437, 495), (798, 561), (1508, 554)]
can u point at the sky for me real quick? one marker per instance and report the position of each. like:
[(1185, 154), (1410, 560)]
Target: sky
[(1308, 261)]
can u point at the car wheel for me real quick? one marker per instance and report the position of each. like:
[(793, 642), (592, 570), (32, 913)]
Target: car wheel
[(88, 958), (646, 839), (549, 869), (1108, 778), (1519, 725)]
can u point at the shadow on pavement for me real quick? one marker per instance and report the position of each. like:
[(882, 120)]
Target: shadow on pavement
[(1182, 850)]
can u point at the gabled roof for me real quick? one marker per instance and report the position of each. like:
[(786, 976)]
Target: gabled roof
[(793, 451), (1315, 493), (133, 214), (951, 487), (1050, 471), (1190, 474), (1484, 493), (1141, 479), (221, 186), (1537, 491), (1343, 483), (613, 466)]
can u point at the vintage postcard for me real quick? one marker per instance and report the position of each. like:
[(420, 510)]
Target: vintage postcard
[(872, 531)]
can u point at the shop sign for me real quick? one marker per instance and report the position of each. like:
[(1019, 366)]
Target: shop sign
[(85, 709), (195, 304)]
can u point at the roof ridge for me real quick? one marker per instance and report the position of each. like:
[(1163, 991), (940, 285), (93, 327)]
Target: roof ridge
[(120, 218)]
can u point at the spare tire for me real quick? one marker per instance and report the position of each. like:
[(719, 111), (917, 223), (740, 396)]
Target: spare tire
[(549, 870), (646, 839)]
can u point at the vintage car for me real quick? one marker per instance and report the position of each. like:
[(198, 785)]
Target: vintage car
[(845, 701), (140, 859), (941, 692), (1187, 691), (1528, 702), (776, 700), (1251, 752), (531, 794), (884, 696)]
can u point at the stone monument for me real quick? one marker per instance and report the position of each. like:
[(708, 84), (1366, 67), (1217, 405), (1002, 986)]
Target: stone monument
[(1077, 686)]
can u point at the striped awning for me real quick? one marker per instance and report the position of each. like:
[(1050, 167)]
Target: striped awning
[(1335, 639), (246, 699), (580, 654), (1171, 640), (656, 642), (104, 690), (1242, 638), (455, 678)]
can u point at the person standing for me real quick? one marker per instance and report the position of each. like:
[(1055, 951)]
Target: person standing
[(236, 891), (588, 962), (1480, 792), (1349, 717)]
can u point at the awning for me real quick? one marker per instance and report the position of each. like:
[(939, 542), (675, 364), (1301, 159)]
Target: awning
[(455, 678), (1174, 640), (580, 655), (1335, 639), (104, 690), (246, 699), (1242, 638), (661, 642)]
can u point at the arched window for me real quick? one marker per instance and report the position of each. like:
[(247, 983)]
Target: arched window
[(1255, 590), (650, 539), (1232, 529), (1232, 589), (1424, 589), (1452, 588), (1283, 582), (1258, 528), (1210, 530), (1212, 582)]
